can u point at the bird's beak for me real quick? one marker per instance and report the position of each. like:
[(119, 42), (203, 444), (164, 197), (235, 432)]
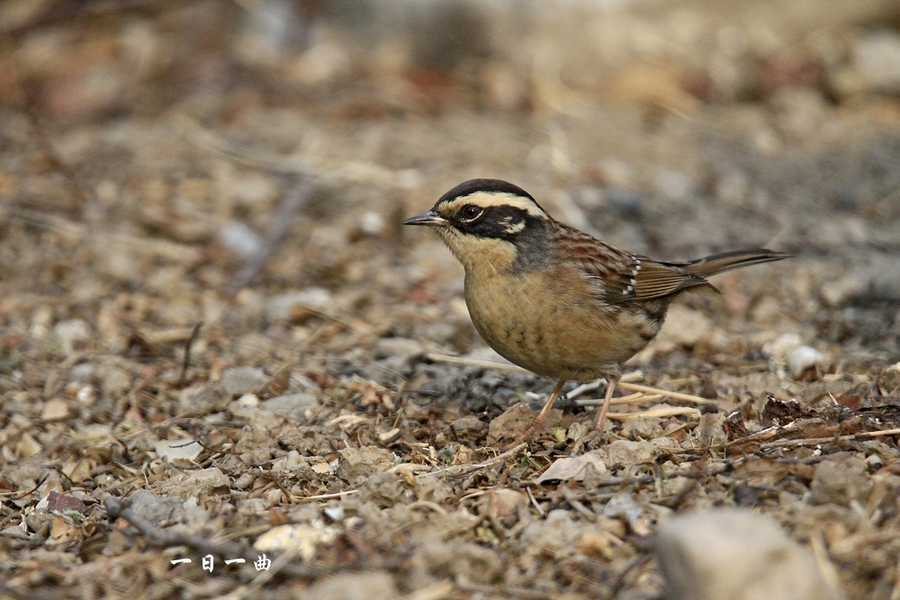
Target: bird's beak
[(431, 218)]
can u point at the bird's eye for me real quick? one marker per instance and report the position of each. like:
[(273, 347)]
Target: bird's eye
[(471, 211)]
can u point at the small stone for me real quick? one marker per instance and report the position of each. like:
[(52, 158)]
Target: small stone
[(241, 239), (782, 347), (839, 292), (243, 380), (115, 382), (625, 452), (641, 428), (292, 305), (890, 378), (73, 334), (874, 462), (27, 446), (154, 508), (623, 506), (434, 561), (364, 462), (293, 407), (803, 359), (308, 441), (371, 223), (685, 327), (877, 58), (739, 555), (502, 503), (352, 586), (673, 185), (184, 449), (192, 483), (303, 539), (513, 423), (55, 409), (626, 203), (712, 430), (335, 513), (468, 424), (840, 481)]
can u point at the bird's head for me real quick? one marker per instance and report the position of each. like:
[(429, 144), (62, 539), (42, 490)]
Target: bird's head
[(489, 223)]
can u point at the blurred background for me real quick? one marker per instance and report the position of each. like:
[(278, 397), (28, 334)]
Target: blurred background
[(200, 202), (218, 143)]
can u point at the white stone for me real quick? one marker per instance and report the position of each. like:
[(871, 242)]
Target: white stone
[(739, 555)]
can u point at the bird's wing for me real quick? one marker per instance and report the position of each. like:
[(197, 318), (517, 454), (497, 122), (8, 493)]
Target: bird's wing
[(620, 276)]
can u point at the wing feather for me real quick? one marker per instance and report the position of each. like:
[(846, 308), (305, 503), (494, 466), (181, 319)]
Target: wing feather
[(620, 276)]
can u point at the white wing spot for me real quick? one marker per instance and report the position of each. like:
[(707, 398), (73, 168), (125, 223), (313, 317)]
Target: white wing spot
[(632, 281)]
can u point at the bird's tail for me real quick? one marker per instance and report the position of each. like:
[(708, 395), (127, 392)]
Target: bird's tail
[(717, 263)]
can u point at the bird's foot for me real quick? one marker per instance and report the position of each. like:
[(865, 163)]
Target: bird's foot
[(530, 435), (537, 431)]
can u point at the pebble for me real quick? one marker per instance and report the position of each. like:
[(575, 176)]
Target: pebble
[(237, 381), (890, 378), (183, 449), (804, 358), (154, 508), (115, 381), (877, 59), (188, 484), (625, 452), (673, 185), (55, 409), (685, 326), (293, 407), (739, 555), (302, 539), (712, 430), (840, 481), (241, 239), (351, 586), (782, 346), (72, 334), (437, 560), (627, 204), (513, 422), (284, 306), (364, 462)]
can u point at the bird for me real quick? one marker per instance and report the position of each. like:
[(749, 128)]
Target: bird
[(553, 299)]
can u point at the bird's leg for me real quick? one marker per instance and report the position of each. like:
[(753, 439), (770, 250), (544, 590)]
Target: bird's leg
[(595, 435), (542, 416), (539, 421), (600, 421)]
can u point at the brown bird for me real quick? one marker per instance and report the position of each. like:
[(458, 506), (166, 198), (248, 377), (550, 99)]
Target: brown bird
[(553, 299)]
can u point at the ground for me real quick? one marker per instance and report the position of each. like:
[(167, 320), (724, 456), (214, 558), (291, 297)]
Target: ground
[(217, 340)]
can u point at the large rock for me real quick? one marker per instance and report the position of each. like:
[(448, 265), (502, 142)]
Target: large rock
[(738, 555)]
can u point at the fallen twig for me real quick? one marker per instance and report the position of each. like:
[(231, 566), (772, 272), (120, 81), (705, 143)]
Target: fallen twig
[(290, 206), (631, 387), (460, 470), (455, 471), (821, 440), (635, 387), (656, 411), (186, 360)]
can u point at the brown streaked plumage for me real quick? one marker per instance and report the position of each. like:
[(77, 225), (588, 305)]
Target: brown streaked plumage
[(553, 299)]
